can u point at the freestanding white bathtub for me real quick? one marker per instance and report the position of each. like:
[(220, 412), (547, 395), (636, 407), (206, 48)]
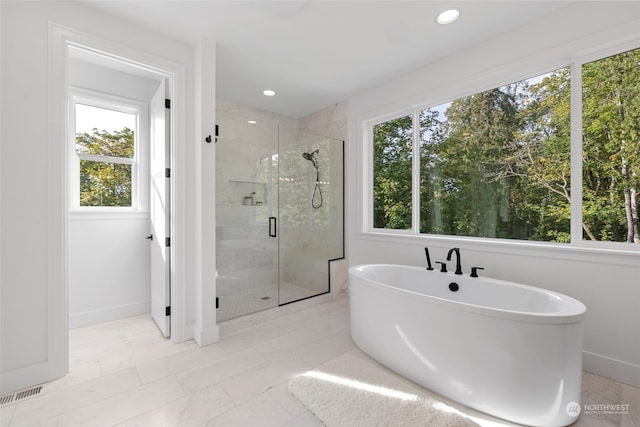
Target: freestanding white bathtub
[(509, 350)]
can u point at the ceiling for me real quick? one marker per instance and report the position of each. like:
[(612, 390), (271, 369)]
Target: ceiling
[(315, 53)]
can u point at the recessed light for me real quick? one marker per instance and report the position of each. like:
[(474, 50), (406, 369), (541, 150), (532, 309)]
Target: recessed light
[(268, 92), (448, 16), (251, 122)]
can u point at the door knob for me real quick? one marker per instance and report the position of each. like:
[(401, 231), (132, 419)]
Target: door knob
[(149, 237)]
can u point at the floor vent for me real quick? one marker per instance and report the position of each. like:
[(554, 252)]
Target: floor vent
[(20, 395), (7, 398)]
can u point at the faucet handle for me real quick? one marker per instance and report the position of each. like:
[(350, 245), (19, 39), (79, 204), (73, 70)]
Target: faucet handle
[(426, 252), (443, 266), (474, 271)]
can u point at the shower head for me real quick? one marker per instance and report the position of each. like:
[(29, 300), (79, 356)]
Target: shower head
[(310, 156), (316, 189)]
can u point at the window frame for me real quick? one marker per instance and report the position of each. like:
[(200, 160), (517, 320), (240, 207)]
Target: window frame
[(368, 155), (577, 242), (139, 163)]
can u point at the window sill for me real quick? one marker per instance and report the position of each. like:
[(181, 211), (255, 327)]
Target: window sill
[(587, 251), (101, 214)]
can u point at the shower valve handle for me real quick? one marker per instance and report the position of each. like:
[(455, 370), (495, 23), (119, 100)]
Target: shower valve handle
[(272, 226)]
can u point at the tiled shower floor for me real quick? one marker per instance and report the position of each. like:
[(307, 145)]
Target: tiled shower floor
[(258, 298), (125, 373)]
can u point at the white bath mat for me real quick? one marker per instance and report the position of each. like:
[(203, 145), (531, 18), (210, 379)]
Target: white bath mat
[(352, 392)]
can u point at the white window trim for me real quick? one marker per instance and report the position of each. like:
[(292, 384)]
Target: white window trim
[(368, 172), (140, 161), (577, 242)]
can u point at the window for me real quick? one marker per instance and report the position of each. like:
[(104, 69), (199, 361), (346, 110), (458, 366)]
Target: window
[(106, 152), (497, 164), (392, 153), (611, 148)]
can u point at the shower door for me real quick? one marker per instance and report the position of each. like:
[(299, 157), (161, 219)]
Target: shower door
[(310, 213), (279, 214), (246, 216)]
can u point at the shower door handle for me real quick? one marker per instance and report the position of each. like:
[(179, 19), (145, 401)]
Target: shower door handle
[(272, 226)]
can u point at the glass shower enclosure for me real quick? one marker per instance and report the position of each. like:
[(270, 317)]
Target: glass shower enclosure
[(279, 214)]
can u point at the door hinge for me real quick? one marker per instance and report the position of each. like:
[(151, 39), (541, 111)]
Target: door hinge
[(217, 131), (167, 241), (167, 173), (167, 311), (167, 104), (217, 302)]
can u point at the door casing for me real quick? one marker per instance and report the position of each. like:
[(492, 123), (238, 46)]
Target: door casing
[(57, 364)]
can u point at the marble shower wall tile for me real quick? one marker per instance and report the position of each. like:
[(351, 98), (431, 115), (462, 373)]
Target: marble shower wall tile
[(340, 276), (332, 122)]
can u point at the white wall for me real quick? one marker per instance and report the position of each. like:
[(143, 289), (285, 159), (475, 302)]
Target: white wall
[(104, 79), (108, 268), (607, 282), (203, 162), (24, 270), (31, 346)]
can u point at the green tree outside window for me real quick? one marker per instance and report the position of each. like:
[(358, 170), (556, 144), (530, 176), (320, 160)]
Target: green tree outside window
[(105, 182)]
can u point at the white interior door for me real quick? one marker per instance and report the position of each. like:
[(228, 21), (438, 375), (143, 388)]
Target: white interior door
[(160, 211)]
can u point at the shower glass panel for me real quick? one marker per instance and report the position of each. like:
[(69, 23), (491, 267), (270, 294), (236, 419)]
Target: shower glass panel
[(279, 214), (246, 203), (310, 213)]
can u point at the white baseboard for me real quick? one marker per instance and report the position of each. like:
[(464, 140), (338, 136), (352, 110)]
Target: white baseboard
[(20, 378), (185, 334), (618, 370), (206, 336), (88, 318)]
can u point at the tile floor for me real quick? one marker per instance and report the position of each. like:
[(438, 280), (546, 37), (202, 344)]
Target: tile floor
[(257, 298), (124, 373)]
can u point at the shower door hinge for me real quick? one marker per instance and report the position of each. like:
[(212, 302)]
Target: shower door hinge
[(217, 302), (167, 104), (167, 173), (167, 241), (167, 311)]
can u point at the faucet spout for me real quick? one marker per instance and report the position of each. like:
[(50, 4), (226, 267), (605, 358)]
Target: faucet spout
[(458, 264)]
